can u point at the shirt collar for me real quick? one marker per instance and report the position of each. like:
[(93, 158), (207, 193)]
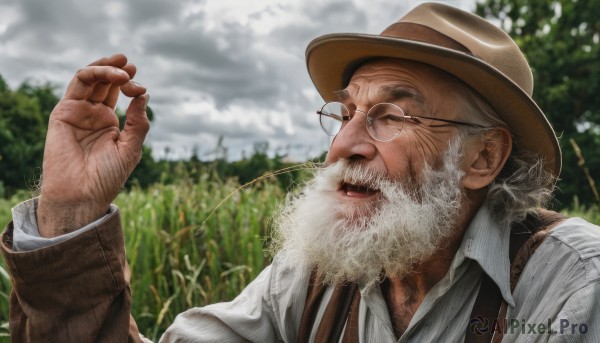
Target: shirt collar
[(486, 241)]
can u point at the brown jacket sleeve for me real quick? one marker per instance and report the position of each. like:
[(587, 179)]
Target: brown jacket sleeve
[(74, 291)]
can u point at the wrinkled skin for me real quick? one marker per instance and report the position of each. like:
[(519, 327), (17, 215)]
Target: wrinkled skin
[(87, 159), (421, 91)]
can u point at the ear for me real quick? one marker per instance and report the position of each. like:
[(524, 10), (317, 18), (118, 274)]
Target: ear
[(485, 156)]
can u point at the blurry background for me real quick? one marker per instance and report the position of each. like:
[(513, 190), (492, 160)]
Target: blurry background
[(228, 78), (231, 101)]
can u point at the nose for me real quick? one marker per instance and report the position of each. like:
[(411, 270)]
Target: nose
[(353, 142)]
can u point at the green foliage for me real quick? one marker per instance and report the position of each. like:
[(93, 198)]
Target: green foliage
[(5, 285), (178, 260), (24, 117), (561, 41), (180, 255), (259, 164), (589, 213)]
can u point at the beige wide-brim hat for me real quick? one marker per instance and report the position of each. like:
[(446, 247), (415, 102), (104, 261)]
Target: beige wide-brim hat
[(460, 43)]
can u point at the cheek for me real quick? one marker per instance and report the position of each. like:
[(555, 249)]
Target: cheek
[(430, 146), (406, 156), (402, 161)]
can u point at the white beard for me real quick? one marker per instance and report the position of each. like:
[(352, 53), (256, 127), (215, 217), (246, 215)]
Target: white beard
[(386, 238)]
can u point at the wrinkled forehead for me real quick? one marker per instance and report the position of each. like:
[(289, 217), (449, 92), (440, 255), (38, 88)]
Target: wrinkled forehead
[(390, 78), (394, 68)]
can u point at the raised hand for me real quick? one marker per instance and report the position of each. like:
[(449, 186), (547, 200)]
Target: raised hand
[(87, 159)]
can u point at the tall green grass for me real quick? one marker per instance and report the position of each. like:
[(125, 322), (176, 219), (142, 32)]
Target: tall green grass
[(178, 258), (5, 285)]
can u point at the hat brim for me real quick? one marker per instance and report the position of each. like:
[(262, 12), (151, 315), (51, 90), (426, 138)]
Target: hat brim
[(331, 59)]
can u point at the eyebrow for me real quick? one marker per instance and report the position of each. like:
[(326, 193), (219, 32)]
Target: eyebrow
[(388, 92), (398, 92), (342, 94)]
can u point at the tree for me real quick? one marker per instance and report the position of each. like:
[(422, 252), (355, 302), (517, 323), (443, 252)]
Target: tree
[(24, 117), (147, 171), (561, 41)]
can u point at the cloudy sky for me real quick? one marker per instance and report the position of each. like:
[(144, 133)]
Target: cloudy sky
[(231, 68)]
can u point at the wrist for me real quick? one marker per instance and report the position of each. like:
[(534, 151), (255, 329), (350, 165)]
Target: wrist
[(55, 219)]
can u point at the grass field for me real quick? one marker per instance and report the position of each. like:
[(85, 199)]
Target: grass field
[(179, 259), (179, 256)]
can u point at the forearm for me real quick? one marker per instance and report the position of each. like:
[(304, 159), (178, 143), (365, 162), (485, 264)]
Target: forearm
[(74, 291), (59, 219), (26, 235)]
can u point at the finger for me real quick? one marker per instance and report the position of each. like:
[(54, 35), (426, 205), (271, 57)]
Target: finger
[(112, 96), (85, 80), (130, 69), (136, 127), (133, 89), (101, 91), (117, 60)]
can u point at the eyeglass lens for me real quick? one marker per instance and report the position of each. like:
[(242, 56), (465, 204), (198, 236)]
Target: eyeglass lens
[(384, 120), (332, 116)]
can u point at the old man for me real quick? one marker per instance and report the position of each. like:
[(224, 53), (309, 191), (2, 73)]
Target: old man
[(425, 225)]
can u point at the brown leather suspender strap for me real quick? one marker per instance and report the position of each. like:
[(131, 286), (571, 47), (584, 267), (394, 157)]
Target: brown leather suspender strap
[(485, 311), (340, 312), (489, 306)]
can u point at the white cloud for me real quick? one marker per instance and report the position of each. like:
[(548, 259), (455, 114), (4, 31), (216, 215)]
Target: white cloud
[(213, 67)]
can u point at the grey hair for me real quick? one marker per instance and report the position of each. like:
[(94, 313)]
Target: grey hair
[(523, 185)]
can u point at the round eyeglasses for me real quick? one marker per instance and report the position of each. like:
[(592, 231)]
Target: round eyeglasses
[(384, 120)]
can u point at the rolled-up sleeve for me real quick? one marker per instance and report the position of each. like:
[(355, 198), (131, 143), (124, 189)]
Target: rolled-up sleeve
[(76, 290)]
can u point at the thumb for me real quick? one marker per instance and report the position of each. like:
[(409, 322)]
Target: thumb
[(136, 127)]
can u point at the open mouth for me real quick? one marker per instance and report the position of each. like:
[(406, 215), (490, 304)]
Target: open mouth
[(357, 190)]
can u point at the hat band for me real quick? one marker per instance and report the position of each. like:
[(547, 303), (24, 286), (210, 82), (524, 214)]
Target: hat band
[(422, 33)]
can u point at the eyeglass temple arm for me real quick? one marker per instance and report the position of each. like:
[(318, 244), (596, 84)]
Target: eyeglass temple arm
[(334, 116), (446, 121)]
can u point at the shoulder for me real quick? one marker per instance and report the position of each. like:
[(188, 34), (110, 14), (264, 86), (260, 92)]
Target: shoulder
[(579, 236), (565, 266), (570, 254), (567, 260)]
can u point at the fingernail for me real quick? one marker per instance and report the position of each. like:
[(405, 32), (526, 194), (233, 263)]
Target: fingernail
[(121, 71), (146, 102)]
